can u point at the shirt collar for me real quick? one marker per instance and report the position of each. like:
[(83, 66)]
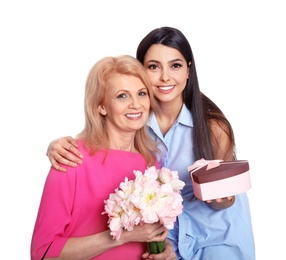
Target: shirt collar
[(185, 117)]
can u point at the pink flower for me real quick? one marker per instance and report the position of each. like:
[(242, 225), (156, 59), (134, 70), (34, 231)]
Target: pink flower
[(172, 177), (153, 196)]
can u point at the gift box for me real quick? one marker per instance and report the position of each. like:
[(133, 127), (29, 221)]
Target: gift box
[(219, 179)]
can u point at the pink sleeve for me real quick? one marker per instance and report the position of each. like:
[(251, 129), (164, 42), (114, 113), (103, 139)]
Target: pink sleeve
[(54, 214)]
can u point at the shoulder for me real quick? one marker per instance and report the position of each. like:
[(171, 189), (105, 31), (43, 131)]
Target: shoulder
[(81, 147), (219, 127), (85, 151)]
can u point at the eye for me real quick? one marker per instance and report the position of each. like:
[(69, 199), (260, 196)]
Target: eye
[(143, 93), (123, 95), (177, 65), (152, 67)]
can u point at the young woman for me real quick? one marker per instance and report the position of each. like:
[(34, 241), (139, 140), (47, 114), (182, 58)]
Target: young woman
[(188, 127), (70, 224)]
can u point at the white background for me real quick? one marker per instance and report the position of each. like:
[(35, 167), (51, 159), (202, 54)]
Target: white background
[(48, 47)]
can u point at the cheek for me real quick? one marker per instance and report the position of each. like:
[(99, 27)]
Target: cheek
[(153, 77), (182, 78), (115, 109), (146, 104), (184, 81)]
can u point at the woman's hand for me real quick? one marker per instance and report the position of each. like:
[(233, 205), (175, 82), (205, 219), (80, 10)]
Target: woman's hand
[(221, 203), (145, 233), (64, 150), (152, 233)]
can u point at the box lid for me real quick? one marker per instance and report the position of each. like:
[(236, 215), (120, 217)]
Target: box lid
[(219, 171)]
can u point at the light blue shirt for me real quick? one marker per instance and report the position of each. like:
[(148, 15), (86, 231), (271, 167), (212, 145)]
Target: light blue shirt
[(203, 233)]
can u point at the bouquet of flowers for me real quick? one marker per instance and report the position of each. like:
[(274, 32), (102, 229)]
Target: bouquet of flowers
[(153, 196)]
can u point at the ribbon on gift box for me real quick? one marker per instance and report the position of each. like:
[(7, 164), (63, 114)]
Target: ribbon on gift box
[(202, 163)]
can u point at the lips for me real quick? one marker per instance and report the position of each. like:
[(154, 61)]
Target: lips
[(134, 115), (166, 89)]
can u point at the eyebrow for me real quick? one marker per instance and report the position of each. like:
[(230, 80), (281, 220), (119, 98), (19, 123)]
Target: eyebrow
[(125, 90), (171, 61)]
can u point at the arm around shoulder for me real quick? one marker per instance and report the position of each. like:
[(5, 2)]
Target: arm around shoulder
[(64, 151)]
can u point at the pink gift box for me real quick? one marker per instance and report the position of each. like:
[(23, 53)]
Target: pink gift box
[(218, 179)]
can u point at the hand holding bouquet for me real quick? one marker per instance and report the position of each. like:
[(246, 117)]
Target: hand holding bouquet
[(153, 196)]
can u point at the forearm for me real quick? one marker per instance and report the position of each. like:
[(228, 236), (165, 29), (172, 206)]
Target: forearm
[(87, 247)]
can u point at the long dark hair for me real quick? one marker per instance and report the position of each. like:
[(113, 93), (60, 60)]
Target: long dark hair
[(202, 108)]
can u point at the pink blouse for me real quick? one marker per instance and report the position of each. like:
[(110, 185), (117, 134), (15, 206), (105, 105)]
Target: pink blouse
[(72, 203)]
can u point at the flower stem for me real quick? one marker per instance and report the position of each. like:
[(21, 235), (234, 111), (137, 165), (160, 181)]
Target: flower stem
[(156, 247)]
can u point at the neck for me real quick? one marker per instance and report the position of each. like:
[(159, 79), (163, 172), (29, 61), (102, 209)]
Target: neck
[(123, 142), (123, 147), (170, 109), (167, 114)]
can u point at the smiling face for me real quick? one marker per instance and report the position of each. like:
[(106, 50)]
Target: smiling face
[(168, 72), (127, 104)]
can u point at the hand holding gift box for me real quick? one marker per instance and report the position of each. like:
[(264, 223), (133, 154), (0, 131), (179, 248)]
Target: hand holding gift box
[(219, 179)]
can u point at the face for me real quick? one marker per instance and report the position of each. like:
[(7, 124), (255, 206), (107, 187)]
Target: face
[(168, 72), (127, 104)]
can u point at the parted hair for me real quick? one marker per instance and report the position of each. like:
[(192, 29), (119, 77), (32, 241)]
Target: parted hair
[(94, 134)]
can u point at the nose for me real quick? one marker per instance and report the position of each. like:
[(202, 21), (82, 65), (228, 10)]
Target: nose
[(134, 103), (165, 76)]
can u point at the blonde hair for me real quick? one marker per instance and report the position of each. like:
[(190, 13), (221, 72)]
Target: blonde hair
[(94, 134)]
